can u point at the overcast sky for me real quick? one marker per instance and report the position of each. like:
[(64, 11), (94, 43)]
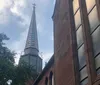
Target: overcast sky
[(15, 17)]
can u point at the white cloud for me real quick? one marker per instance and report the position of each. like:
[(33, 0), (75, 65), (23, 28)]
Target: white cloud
[(18, 8), (46, 57), (18, 46), (5, 4), (41, 31), (45, 1), (54, 1), (17, 57), (39, 28), (3, 18), (15, 10), (52, 37)]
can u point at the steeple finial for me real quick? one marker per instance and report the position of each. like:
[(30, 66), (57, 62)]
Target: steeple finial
[(32, 39), (34, 5), (31, 51)]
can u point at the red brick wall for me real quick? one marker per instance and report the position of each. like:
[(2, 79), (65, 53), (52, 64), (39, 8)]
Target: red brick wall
[(65, 66), (42, 81), (30, 82), (63, 45)]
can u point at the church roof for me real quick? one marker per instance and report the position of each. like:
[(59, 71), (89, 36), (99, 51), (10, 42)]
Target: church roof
[(56, 9), (32, 40)]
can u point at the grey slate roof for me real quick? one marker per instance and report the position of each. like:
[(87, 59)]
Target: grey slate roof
[(32, 39)]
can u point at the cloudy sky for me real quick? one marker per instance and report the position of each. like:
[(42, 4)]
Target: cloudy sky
[(15, 16)]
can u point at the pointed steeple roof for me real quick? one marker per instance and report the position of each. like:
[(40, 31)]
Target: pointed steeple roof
[(32, 40)]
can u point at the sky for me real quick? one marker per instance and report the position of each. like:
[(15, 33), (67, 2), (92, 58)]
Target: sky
[(15, 17)]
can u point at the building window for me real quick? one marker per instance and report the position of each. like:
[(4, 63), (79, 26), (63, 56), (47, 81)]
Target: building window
[(77, 19), (83, 73), (84, 82), (97, 59), (90, 5), (96, 41), (80, 43), (93, 19), (95, 31), (79, 37), (96, 48), (46, 81), (81, 57), (51, 78), (75, 5)]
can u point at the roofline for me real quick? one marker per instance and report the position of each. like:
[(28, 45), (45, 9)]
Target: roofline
[(54, 10), (49, 64)]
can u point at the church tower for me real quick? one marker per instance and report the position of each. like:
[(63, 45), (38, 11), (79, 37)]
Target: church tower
[(31, 51)]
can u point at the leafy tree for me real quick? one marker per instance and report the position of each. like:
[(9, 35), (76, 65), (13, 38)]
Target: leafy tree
[(2, 38), (6, 61), (19, 74), (7, 70), (4, 51), (24, 73)]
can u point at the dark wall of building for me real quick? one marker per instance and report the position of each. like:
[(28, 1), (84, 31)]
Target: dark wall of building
[(76, 43), (63, 44), (47, 74)]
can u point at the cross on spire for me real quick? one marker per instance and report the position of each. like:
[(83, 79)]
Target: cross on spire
[(32, 39), (34, 5), (31, 51)]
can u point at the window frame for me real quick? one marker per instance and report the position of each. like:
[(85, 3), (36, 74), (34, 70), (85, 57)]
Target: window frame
[(88, 41), (76, 38)]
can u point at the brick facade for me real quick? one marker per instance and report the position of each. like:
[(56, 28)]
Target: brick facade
[(41, 79), (66, 66)]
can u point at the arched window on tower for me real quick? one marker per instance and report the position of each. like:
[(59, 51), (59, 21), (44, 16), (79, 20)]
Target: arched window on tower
[(51, 78), (46, 81)]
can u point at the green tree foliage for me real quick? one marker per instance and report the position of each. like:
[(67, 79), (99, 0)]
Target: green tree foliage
[(19, 74), (7, 71), (24, 73), (6, 61), (2, 38), (4, 51)]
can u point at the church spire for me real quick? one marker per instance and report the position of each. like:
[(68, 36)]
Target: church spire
[(32, 40), (31, 50)]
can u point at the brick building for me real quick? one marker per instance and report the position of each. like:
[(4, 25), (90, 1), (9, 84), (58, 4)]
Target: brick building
[(76, 59)]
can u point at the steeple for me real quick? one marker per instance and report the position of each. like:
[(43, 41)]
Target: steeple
[(32, 40), (31, 50)]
